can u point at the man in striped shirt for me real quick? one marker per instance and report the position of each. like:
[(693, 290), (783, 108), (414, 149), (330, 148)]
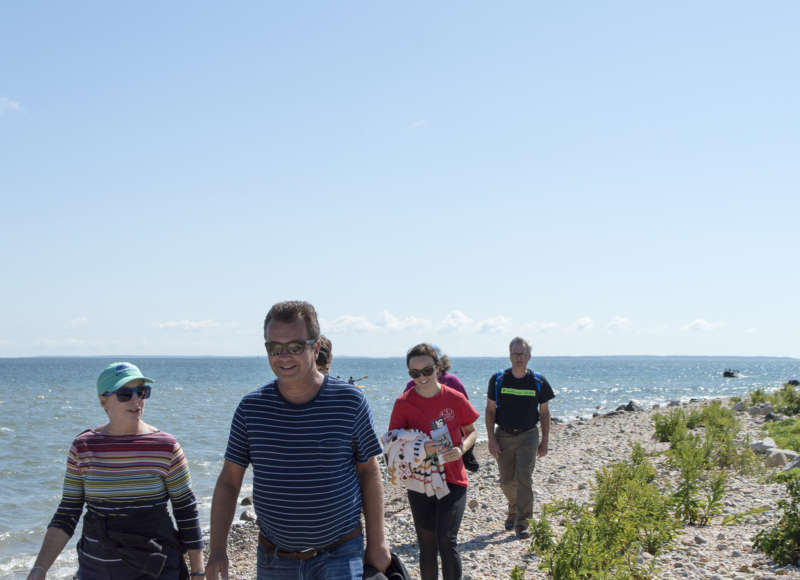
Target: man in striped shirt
[(313, 448)]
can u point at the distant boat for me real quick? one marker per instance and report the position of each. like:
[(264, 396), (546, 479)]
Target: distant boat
[(730, 373)]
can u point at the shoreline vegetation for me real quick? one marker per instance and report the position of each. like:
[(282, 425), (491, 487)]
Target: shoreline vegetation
[(720, 549)]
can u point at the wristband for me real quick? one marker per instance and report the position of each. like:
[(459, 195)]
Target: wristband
[(193, 574)]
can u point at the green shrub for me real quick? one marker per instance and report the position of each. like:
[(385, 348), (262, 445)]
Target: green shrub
[(782, 541), (719, 421), (628, 514), (758, 396), (541, 534), (695, 419), (786, 433), (667, 424)]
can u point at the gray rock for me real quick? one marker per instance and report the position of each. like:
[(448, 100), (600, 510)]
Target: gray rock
[(248, 516), (775, 459), (765, 446), (761, 409), (631, 406), (247, 500), (739, 407), (769, 417)]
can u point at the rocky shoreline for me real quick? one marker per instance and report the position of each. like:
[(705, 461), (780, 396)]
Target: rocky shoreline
[(577, 450)]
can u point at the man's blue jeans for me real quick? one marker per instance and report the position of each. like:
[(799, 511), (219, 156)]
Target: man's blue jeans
[(343, 562)]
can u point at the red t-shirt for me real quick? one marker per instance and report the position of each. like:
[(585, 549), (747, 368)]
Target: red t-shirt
[(412, 411)]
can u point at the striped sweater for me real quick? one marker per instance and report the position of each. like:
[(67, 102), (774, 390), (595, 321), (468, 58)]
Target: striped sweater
[(116, 475)]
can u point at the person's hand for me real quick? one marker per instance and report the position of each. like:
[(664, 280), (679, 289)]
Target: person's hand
[(432, 447), (452, 454), (217, 565), (378, 556), (542, 451), (494, 448)]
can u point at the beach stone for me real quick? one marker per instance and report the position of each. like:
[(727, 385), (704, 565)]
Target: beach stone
[(761, 409), (770, 417), (775, 459), (248, 516), (630, 407), (740, 406), (764, 446), (247, 500)]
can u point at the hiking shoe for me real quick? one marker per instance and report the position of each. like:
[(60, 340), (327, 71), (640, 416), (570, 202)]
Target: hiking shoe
[(510, 523), (523, 533)]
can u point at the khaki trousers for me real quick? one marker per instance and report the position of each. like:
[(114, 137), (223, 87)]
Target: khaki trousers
[(516, 462)]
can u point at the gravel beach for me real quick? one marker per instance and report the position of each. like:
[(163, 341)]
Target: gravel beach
[(577, 450)]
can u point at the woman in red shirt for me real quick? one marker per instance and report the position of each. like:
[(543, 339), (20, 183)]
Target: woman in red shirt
[(433, 407)]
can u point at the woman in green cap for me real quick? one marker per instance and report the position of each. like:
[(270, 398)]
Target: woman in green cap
[(125, 472)]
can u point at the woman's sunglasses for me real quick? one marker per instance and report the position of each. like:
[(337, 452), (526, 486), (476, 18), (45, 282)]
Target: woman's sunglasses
[(415, 374), (124, 394)]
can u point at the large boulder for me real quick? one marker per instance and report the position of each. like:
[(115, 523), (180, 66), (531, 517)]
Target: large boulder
[(776, 458), (763, 447), (761, 409), (631, 406)]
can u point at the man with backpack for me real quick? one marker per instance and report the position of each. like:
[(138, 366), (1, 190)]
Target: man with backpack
[(517, 401)]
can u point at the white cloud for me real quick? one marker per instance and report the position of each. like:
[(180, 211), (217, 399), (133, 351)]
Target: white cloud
[(541, 327), (391, 322), (455, 320), (419, 124), (701, 325), (79, 322), (583, 323), (619, 323), (189, 324), (7, 104), (494, 325), (348, 323)]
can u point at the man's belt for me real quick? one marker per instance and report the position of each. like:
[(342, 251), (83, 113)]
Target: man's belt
[(306, 553), (516, 431)]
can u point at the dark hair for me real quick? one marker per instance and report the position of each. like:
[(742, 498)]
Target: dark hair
[(291, 310), (522, 341), (444, 364), (423, 349), (325, 351)]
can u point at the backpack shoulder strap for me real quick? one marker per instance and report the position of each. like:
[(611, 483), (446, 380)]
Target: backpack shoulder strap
[(537, 381), (498, 381)]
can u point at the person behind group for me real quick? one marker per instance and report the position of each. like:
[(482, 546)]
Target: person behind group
[(428, 405), (125, 472), (520, 402), (452, 381), (313, 448), (325, 355)]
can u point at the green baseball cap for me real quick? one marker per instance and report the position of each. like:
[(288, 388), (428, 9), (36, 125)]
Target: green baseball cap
[(116, 375)]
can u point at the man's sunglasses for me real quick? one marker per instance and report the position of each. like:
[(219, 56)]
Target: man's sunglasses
[(294, 347), (415, 374), (124, 394)]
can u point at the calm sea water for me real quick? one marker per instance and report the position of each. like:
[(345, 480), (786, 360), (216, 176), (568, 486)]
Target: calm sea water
[(45, 402)]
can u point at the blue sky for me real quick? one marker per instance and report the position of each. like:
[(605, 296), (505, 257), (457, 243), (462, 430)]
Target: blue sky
[(602, 178)]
